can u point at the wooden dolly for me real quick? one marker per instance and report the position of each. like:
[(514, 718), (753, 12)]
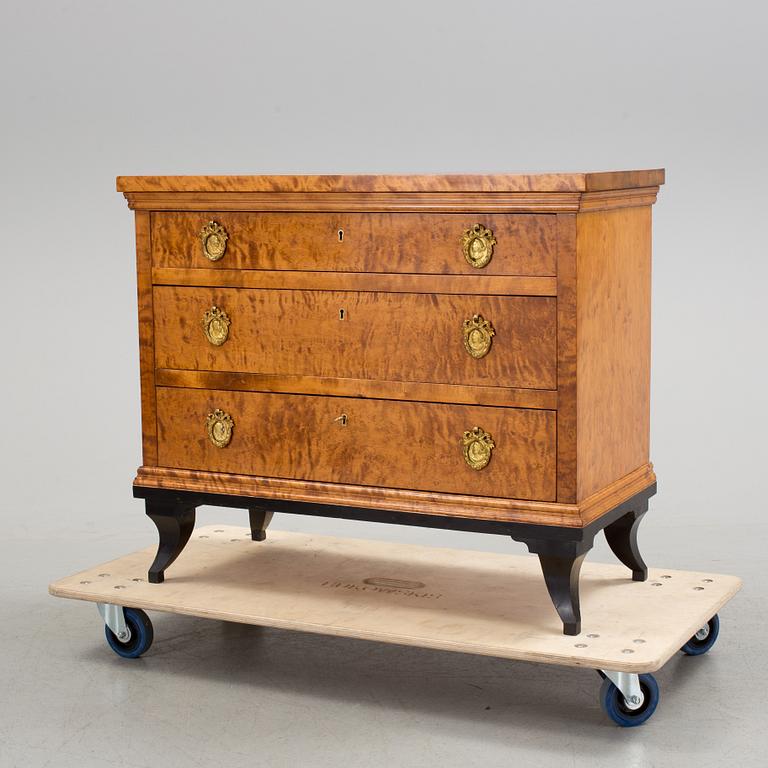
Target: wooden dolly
[(455, 600)]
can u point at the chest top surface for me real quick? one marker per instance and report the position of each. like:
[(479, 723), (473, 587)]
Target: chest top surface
[(504, 182)]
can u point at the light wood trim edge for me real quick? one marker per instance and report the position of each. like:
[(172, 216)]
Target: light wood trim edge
[(403, 202), (369, 183), (619, 198), (617, 180), (397, 500), (146, 337), (486, 285), (566, 358), (337, 387), (430, 202), (391, 499), (614, 494)]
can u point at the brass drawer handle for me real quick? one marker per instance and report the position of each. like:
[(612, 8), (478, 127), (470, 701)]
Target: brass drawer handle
[(219, 425), (477, 243), (478, 336), (477, 444), (216, 325), (214, 239)]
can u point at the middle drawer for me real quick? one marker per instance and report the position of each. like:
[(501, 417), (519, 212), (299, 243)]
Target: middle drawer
[(504, 341)]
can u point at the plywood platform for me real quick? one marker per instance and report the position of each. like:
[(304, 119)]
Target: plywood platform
[(457, 600)]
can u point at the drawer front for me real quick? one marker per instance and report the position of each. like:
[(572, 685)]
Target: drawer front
[(524, 244), (453, 339), (392, 444)]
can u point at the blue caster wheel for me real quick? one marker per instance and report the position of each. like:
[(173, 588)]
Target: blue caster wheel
[(140, 635), (704, 639), (615, 706)]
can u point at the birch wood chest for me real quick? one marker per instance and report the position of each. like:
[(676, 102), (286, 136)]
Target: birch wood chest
[(467, 352)]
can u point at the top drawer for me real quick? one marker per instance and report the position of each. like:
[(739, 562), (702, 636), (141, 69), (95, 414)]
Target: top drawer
[(454, 243)]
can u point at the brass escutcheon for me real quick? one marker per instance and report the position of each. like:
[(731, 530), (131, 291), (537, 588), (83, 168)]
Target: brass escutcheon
[(478, 336), (216, 325), (219, 425), (214, 239), (477, 444), (477, 243)]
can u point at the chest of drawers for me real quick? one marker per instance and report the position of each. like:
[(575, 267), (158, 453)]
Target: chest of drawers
[(467, 352)]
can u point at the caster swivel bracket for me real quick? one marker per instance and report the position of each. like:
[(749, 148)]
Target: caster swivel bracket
[(629, 685), (114, 618)]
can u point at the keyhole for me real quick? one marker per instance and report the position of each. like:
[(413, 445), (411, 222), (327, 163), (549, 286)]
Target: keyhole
[(342, 419), (341, 235), (342, 312)]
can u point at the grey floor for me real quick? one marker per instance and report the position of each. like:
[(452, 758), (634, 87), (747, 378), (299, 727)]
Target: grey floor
[(212, 693)]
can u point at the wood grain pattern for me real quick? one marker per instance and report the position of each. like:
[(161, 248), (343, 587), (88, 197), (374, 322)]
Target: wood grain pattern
[(619, 198), (566, 359), (477, 183), (403, 202), (400, 500), (370, 497), (345, 387), (370, 242), (358, 281), (146, 338), (570, 273), (357, 202), (610, 496), (360, 335), (613, 340), (392, 444), (473, 602)]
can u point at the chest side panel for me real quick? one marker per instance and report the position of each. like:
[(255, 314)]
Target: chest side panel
[(613, 345)]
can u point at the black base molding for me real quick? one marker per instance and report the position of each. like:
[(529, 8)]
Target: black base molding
[(561, 550)]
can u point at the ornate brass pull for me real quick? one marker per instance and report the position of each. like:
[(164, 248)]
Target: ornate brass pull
[(214, 239), (477, 444), (219, 425), (478, 336), (477, 243), (216, 326)]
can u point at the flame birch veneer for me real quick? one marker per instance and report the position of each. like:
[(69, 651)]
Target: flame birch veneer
[(467, 352)]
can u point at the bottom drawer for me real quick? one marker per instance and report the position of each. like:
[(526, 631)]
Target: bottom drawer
[(387, 443)]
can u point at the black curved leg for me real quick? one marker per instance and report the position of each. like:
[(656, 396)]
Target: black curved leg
[(175, 523), (561, 575), (259, 519), (622, 539), (561, 560)]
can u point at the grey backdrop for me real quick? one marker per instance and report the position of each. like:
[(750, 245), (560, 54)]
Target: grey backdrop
[(95, 89)]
